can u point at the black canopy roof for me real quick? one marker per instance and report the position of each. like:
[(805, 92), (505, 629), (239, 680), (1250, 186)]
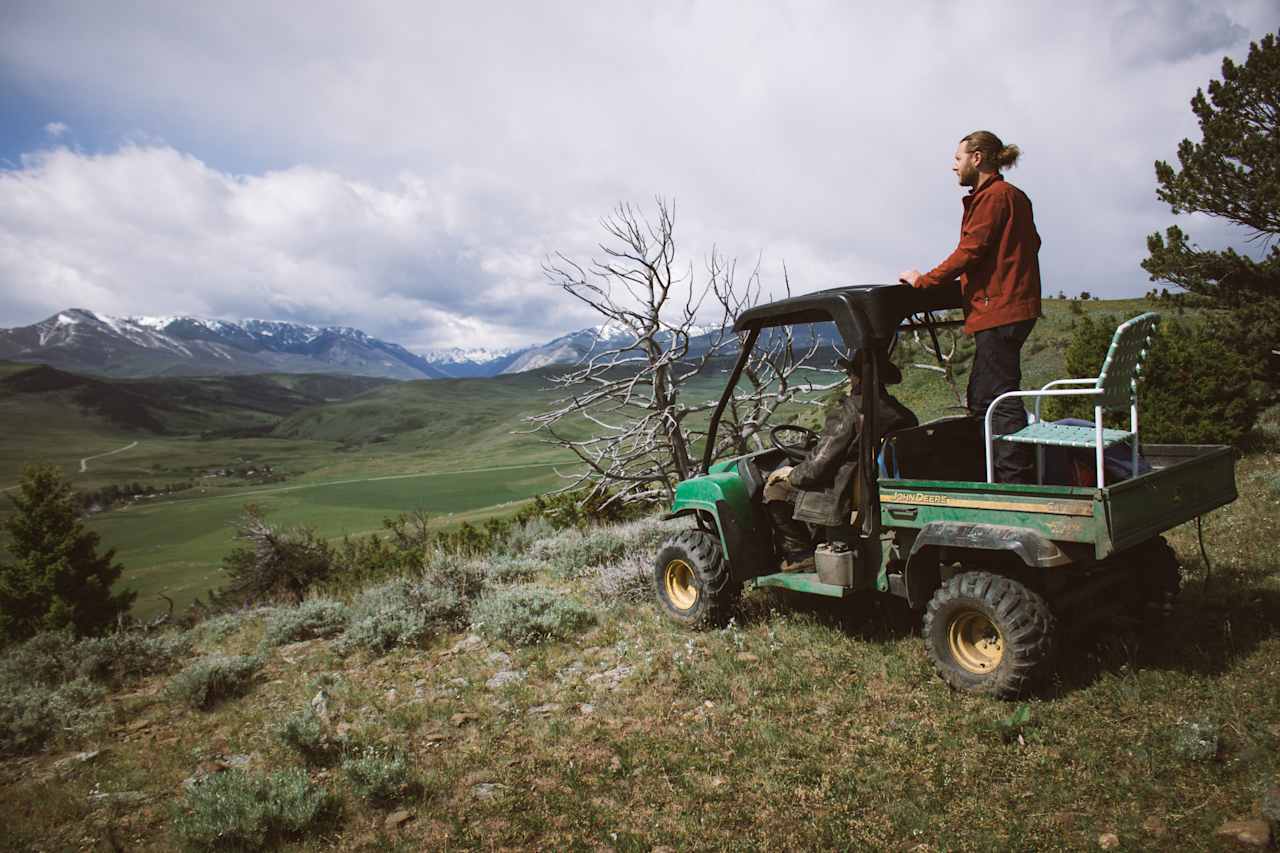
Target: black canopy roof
[(859, 311)]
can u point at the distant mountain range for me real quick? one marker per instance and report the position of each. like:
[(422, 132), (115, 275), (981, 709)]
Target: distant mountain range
[(86, 342)]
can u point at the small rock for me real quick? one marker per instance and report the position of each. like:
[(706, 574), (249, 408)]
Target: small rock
[(571, 671), (498, 659), (544, 710), (611, 678), (586, 709), (391, 696), (1255, 833), (746, 657), (123, 798), (1155, 826), (462, 718), (466, 644), (320, 705), (1108, 841), (615, 764), (397, 819), (342, 729), (708, 704), (238, 761), (459, 682), (504, 677), (1197, 740), (485, 790), (73, 760), (291, 649)]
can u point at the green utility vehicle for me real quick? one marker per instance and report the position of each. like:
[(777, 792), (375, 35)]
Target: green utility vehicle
[(996, 569)]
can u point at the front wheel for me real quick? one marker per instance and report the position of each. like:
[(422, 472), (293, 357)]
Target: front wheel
[(691, 579), (988, 634)]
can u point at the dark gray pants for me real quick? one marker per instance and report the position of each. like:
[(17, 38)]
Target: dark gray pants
[(997, 368)]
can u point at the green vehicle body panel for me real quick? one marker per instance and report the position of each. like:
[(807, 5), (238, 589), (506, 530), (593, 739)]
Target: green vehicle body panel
[(1190, 481), (703, 493), (1187, 481), (803, 583)]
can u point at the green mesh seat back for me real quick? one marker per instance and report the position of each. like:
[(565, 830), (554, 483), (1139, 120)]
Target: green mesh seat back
[(1123, 366)]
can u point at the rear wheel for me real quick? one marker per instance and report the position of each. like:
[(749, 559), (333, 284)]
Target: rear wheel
[(1159, 579), (691, 579), (988, 634)]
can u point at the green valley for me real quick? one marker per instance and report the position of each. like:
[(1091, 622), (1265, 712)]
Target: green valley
[(338, 453)]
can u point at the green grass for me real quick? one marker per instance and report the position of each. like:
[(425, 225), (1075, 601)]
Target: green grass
[(175, 546)]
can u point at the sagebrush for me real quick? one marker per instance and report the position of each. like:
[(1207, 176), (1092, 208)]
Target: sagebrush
[(526, 615), (240, 811)]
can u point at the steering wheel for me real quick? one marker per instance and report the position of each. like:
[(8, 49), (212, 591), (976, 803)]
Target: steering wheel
[(796, 451)]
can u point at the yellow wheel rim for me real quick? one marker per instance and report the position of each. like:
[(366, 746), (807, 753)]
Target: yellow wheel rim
[(976, 643), (679, 582)]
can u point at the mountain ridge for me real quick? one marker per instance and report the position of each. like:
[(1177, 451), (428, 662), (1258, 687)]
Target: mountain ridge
[(84, 341)]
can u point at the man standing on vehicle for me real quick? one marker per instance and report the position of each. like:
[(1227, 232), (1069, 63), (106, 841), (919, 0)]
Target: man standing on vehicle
[(998, 266)]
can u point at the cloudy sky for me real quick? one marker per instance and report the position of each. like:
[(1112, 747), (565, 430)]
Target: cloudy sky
[(406, 167)]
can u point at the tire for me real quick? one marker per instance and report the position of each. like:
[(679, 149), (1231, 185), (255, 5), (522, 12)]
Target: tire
[(1159, 579), (691, 580), (988, 634)]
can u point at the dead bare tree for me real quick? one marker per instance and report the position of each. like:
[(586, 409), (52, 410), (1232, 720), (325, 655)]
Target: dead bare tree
[(630, 393), (948, 344)]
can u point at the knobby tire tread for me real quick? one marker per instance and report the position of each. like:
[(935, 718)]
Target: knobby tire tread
[(1023, 617)]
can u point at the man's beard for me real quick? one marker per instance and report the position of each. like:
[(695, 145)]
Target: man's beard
[(968, 177)]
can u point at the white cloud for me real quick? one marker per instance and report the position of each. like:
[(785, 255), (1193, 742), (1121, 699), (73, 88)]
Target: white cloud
[(451, 146), (151, 230), (55, 129)]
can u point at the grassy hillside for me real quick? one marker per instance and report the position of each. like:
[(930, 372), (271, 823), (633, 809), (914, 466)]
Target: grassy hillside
[(801, 725)]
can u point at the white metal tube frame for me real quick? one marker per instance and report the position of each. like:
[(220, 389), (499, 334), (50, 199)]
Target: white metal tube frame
[(1065, 392)]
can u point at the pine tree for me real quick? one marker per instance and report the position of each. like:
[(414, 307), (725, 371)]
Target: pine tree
[(54, 577), (1234, 174)]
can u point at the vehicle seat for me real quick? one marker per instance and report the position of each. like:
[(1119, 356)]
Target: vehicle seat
[(749, 471), (948, 448)]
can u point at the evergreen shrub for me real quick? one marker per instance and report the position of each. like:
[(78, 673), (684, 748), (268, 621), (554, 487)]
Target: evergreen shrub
[(1195, 387)]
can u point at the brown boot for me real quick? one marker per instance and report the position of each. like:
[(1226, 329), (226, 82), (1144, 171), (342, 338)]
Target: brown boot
[(798, 562), (790, 537)]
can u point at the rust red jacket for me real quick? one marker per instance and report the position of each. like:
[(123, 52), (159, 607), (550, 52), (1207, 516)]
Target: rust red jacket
[(997, 260)]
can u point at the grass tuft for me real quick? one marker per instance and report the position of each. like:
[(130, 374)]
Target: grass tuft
[(381, 776), (306, 734)]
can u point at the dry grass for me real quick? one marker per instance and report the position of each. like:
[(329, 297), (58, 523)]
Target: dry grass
[(801, 725)]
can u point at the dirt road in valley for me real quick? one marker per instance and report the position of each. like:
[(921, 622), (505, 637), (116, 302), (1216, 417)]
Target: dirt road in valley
[(84, 463)]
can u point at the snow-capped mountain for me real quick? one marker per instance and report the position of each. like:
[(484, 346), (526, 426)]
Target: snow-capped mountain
[(86, 342), (83, 341)]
